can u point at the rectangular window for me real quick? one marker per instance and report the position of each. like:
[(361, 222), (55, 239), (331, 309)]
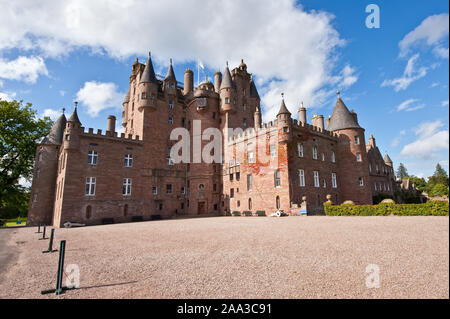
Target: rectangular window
[(238, 176), (333, 157), (273, 150), (277, 178), (370, 168), (231, 162), (361, 181), (358, 157), (333, 180), (170, 120), (128, 160), (144, 96), (356, 140), (154, 190), (227, 100), (245, 123), (169, 188), (323, 157), (237, 161), (314, 152), (249, 182), (377, 169), (90, 186), (375, 185), (183, 190), (92, 157), (171, 104), (301, 176), (244, 107), (126, 188), (300, 149), (231, 192), (231, 177), (316, 179), (35, 198), (251, 157)]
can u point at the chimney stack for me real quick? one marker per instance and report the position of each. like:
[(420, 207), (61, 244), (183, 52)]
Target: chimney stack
[(302, 114), (111, 127)]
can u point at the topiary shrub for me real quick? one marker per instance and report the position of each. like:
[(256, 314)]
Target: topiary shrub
[(236, 213), (247, 213), (260, 213)]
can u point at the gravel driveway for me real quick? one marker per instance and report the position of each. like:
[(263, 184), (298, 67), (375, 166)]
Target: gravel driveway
[(238, 257)]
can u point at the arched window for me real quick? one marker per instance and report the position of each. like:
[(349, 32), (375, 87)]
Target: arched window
[(88, 212), (249, 203), (201, 186), (278, 202)]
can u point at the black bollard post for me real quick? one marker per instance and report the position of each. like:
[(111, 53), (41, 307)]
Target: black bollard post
[(50, 242), (39, 229), (43, 234), (62, 249)]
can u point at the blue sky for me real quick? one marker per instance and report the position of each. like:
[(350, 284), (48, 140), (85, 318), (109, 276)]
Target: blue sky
[(395, 77)]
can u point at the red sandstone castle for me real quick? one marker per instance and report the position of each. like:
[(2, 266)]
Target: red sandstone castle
[(93, 177)]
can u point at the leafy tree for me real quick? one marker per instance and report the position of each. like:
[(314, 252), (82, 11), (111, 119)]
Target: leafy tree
[(439, 190), (439, 177), (402, 172), (20, 133)]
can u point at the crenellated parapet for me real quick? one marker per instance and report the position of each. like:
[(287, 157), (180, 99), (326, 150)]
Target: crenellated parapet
[(111, 135)]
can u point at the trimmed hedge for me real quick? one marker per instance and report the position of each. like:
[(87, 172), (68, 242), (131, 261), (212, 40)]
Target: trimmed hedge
[(260, 213), (432, 208), (236, 213), (247, 213)]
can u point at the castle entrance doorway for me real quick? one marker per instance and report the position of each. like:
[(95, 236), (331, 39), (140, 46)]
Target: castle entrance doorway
[(201, 208)]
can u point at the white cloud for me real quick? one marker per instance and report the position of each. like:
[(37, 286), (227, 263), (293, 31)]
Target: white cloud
[(430, 141), (97, 96), (409, 106), (23, 68), (62, 92), (410, 74), (7, 96), (444, 103), (52, 114), (432, 31), (287, 48)]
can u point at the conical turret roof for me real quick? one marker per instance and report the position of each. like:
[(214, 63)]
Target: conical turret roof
[(55, 136), (253, 90), (387, 159), (74, 116), (283, 108), (341, 117), (170, 74), (149, 73), (227, 81)]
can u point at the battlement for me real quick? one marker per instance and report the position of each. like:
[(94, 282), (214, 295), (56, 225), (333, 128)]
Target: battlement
[(312, 128), (111, 135)]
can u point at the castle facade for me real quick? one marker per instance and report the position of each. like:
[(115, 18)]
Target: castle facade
[(92, 177)]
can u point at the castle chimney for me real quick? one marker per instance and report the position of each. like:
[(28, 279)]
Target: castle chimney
[(111, 127), (217, 81), (372, 141), (302, 114), (355, 116), (188, 81)]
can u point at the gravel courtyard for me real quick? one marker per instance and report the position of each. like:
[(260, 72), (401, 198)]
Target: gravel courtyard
[(236, 257)]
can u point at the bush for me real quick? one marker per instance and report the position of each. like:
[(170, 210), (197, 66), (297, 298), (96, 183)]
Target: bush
[(247, 213), (433, 208), (260, 213), (236, 213)]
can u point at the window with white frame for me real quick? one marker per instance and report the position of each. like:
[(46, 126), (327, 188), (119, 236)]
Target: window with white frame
[(358, 157), (90, 186), (361, 181), (250, 153), (237, 161), (324, 183), (277, 178), (227, 100), (143, 96), (323, 157), (301, 176), (375, 186), (169, 188), (171, 104), (170, 119), (35, 196), (245, 123), (273, 150), (249, 182), (356, 140), (92, 157), (183, 190), (128, 160), (244, 107), (316, 179), (300, 149), (231, 162), (333, 180), (314, 152), (154, 190), (126, 189)]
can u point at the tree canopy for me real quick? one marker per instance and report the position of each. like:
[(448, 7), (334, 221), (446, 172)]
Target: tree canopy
[(20, 132), (402, 172)]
